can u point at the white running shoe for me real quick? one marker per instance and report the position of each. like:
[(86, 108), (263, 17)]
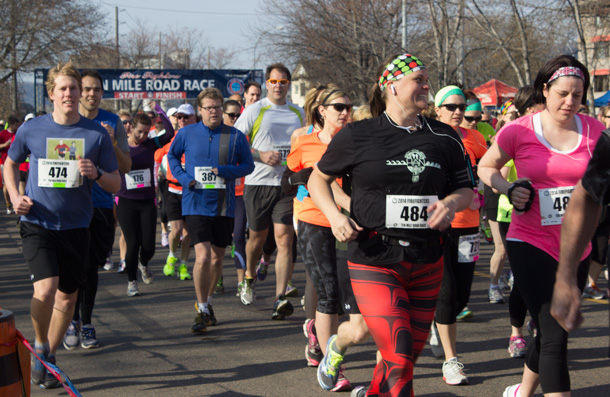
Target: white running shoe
[(132, 288), (512, 391), (147, 276), (453, 373), (435, 342)]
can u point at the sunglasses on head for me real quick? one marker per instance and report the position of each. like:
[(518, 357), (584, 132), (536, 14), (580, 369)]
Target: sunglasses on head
[(452, 107), (233, 115), (281, 82), (339, 107), (470, 119), (182, 117)]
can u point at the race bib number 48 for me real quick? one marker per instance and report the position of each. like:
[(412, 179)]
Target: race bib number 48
[(408, 212), (58, 173), (553, 204), (206, 179)]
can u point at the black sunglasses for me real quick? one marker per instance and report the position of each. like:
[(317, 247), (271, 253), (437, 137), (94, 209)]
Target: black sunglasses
[(233, 115), (339, 107), (470, 119), (182, 117), (125, 122), (452, 107)]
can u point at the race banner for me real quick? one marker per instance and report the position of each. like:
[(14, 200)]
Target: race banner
[(160, 84)]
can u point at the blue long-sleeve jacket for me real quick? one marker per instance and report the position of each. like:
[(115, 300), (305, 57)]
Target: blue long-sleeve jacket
[(200, 146)]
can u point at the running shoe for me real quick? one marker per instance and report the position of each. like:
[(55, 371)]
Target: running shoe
[(512, 391), (239, 285), (170, 266), (303, 302), (9, 209), (606, 272), (122, 267), (531, 328), (511, 280), (247, 295), (516, 347), (504, 283), (488, 236), (453, 373), (38, 372), (200, 320), (495, 295), (343, 384), (464, 315), (435, 342), (72, 336), (220, 288), (359, 391), (291, 290), (183, 272), (313, 353), (132, 288), (109, 263), (88, 338), (328, 370), (51, 381), (164, 239), (592, 292), (261, 269), (147, 276), (211, 320), (282, 308)]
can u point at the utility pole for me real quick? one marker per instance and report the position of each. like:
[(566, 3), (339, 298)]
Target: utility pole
[(404, 25), (160, 57), (116, 37)]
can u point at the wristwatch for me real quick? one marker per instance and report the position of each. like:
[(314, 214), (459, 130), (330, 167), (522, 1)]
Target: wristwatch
[(99, 173)]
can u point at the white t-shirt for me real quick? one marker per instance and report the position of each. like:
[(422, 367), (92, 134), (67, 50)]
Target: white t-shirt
[(269, 127)]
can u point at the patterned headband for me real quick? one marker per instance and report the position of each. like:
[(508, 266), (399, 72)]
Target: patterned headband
[(399, 68), (567, 71)]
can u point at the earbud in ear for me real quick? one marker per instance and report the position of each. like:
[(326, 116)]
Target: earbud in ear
[(393, 89)]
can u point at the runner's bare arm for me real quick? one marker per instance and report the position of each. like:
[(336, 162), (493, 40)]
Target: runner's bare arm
[(21, 203)]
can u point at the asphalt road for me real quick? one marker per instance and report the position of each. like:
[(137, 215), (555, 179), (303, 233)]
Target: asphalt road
[(148, 349)]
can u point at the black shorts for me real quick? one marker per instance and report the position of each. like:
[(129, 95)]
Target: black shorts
[(23, 176), (348, 300), (173, 206), (218, 230), (101, 235), (266, 205), (599, 242), (56, 253)]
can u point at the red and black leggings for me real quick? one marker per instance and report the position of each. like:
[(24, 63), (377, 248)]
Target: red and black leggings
[(397, 302)]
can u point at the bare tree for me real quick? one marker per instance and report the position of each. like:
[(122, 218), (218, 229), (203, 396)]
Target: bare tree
[(41, 32)]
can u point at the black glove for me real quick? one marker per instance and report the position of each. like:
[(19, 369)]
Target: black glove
[(301, 177), (527, 185)]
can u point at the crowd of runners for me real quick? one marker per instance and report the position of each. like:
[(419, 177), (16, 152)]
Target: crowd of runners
[(386, 203)]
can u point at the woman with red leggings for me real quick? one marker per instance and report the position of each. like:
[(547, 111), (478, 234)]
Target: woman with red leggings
[(409, 177)]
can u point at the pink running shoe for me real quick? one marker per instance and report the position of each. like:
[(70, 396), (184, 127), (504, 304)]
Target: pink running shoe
[(313, 353)]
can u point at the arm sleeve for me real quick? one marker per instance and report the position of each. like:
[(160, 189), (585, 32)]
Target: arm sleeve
[(596, 180), (340, 154)]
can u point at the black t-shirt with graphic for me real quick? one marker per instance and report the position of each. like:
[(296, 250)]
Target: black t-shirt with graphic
[(385, 160)]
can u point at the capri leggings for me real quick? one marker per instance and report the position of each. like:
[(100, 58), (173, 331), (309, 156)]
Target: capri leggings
[(138, 220), (534, 272), (319, 254), (239, 233), (397, 302), (516, 306), (457, 280)]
